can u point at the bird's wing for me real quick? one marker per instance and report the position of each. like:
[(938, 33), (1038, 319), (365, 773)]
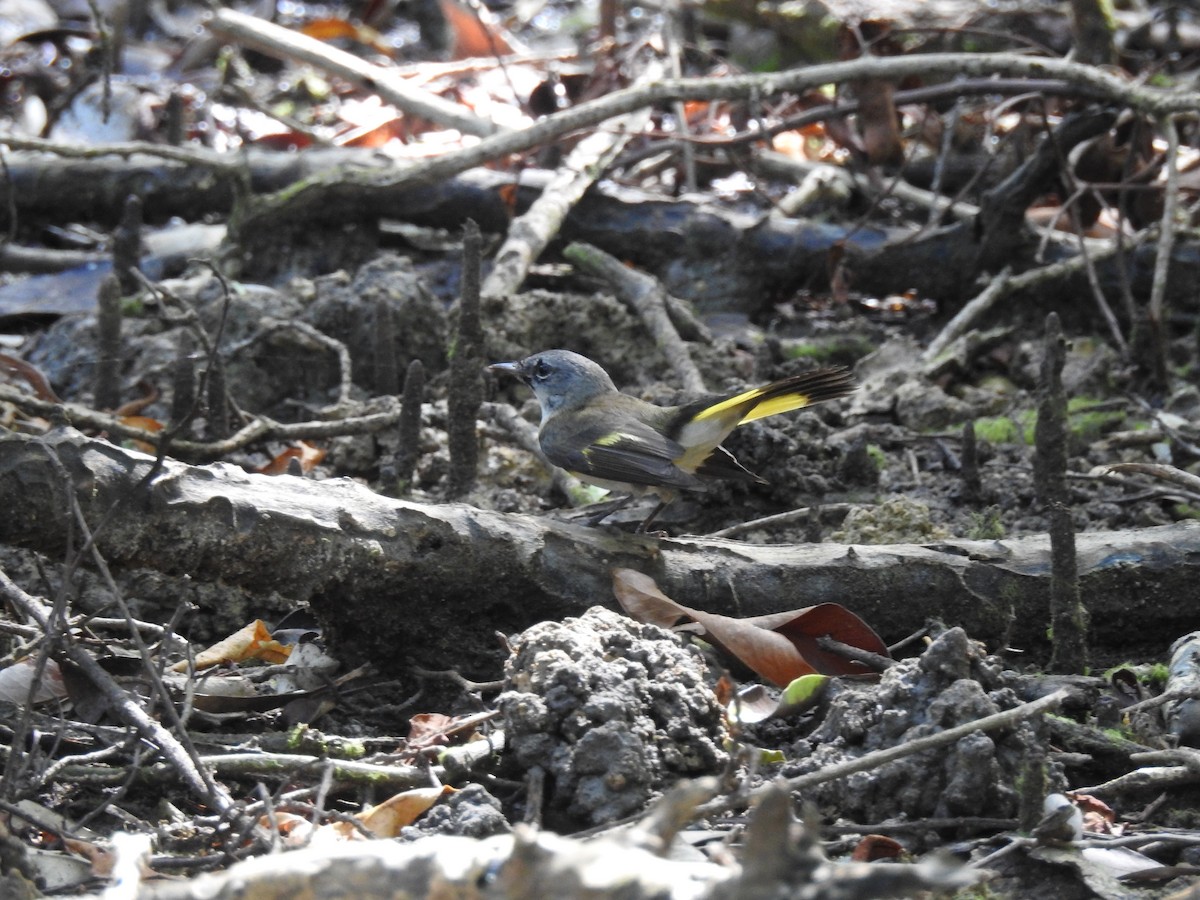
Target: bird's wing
[(634, 454)]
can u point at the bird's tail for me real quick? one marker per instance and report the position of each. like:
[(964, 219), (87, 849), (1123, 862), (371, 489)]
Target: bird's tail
[(785, 395)]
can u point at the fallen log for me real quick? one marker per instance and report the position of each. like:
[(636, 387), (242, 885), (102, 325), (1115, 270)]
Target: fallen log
[(397, 581)]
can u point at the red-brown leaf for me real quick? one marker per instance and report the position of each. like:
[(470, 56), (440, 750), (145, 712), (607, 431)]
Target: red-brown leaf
[(779, 647)]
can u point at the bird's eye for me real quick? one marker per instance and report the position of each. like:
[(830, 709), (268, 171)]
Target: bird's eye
[(541, 370)]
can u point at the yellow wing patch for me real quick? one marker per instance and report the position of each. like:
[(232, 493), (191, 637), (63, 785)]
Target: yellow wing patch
[(609, 440)]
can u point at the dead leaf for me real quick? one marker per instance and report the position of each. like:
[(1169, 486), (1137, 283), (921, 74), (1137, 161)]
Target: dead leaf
[(877, 846), (429, 729), (386, 819), (101, 858), (779, 647), (878, 121), (476, 31), (437, 729), (308, 454), (754, 704), (146, 424), (135, 407), (32, 375), (253, 641), (1098, 816), (332, 28), (17, 679), (296, 830)]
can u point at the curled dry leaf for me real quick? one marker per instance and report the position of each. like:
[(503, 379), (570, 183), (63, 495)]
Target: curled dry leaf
[(877, 846), (253, 641), (476, 31), (779, 647), (153, 426), (399, 810), (382, 821), (1098, 816), (309, 455), (17, 682), (754, 703), (12, 365)]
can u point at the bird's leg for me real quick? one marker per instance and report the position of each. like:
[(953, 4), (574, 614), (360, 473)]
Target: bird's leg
[(662, 504), (610, 507)]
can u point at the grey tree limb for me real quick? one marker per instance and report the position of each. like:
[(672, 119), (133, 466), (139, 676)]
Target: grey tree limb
[(398, 581)]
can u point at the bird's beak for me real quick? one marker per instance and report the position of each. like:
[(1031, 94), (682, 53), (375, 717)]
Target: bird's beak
[(508, 368)]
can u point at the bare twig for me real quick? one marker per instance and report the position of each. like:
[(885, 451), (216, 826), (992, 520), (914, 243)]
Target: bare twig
[(965, 318), (190, 154), (1162, 258), (269, 326), (308, 198), (529, 234), (647, 297), (278, 41), (833, 511), (1068, 615), (1005, 719), (526, 436), (260, 428), (120, 702)]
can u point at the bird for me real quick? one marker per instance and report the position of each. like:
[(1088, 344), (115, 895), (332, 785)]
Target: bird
[(625, 444)]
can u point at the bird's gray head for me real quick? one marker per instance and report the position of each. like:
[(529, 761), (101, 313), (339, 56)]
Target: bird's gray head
[(560, 379)]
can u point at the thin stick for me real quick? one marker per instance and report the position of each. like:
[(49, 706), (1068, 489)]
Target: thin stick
[(278, 41), (1162, 258)]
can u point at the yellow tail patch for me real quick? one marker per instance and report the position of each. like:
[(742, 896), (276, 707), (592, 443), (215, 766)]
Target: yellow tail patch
[(717, 408), (774, 406)]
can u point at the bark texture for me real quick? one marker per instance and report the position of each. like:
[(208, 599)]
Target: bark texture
[(396, 581)]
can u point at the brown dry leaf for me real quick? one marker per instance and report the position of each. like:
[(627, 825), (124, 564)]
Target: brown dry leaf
[(146, 424), (1098, 816), (877, 846), (282, 140), (296, 830), (135, 407), (32, 375), (114, 858), (234, 694), (372, 136), (725, 690), (878, 121), (780, 647), (509, 194), (429, 729), (101, 858), (253, 641), (476, 31), (386, 819), (809, 142), (879, 124), (332, 29), (437, 730), (308, 454), (839, 277)]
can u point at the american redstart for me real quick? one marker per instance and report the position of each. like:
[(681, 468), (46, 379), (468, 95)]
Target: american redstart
[(625, 444)]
